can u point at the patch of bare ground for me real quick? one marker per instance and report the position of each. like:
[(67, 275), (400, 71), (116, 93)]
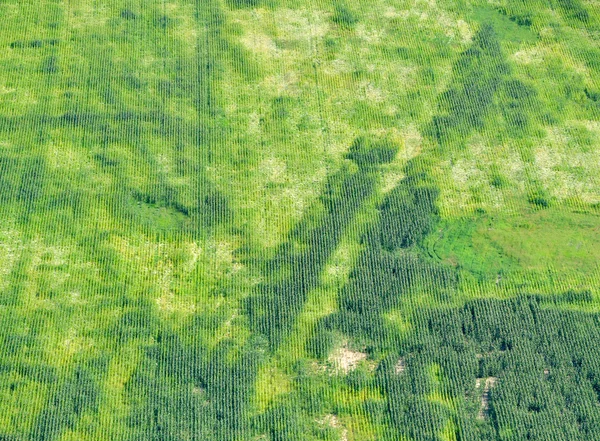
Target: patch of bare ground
[(343, 360), (400, 366), (333, 421), (489, 383)]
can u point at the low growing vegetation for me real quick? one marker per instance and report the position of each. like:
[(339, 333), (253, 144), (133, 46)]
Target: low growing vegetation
[(242, 220)]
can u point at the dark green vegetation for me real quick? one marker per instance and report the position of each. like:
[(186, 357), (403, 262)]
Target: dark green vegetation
[(297, 266), (291, 220)]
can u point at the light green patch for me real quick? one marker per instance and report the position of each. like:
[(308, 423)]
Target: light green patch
[(450, 431), (320, 303), (271, 382), (437, 381), (545, 251), (357, 427), (336, 272), (113, 408), (10, 246), (508, 30), (399, 321), (555, 238), (353, 399), (567, 162), (28, 395)]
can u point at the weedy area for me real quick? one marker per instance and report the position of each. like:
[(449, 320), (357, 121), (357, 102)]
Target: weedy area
[(299, 220)]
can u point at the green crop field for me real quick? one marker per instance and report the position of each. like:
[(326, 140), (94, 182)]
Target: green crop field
[(299, 220)]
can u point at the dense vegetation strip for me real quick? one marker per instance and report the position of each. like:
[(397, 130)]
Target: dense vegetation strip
[(178, 179)]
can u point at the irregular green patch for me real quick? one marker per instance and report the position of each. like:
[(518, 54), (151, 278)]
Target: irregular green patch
[(297, 266), (478, 74), (73, 397), (514, 28), (494, 246)]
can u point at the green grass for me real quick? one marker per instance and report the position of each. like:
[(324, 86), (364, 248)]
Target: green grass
[(511, 29), (489, 245), (200, 201)]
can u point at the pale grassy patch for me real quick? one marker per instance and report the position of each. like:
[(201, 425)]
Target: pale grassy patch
[(341, 135), (23, 97), (301, 24), (171, 304), (51, 256), (10, 247), (591, 125), (391, 12), (217, 259), (338, 66), (329, 420), (455, 28), (186, 31), (233, 329), (409, 141), (62, 155), (254, 123), (465, 182), (464, 31), (273, 209), (259, 43), (164, 163), (66, 158), (5, 90), (186, 111), (35, 254), (149, 60), (72, 344), (430, 15), (195, 252), (466, 188), (257, 36), (371, 92), (371, 35), (281, 207), (113, 408), (262, 28), (282, 83), (565, 170), (531, 55), (465, 170), (223, 253), (391, 180), (274, 169), (404, 74), (412, 141), (155, 263), (86, 14), (400, 366)]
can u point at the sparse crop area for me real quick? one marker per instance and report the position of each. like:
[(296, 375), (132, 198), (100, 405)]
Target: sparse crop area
[(299, 220)]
